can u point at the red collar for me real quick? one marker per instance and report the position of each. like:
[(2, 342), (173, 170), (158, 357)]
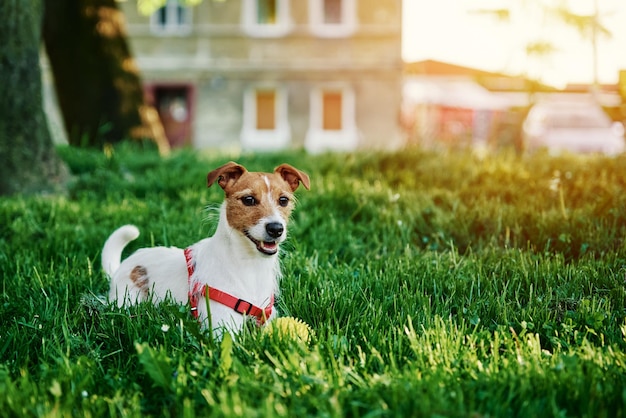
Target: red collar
[(197, 290)]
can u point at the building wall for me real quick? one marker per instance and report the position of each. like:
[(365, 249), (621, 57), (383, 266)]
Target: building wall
[(222, 60)]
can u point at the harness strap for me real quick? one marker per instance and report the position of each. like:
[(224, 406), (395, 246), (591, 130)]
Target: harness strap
[(243, 307)]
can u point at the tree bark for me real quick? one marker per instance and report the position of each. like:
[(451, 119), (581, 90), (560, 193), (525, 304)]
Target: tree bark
[(28, 161), (97, 83)]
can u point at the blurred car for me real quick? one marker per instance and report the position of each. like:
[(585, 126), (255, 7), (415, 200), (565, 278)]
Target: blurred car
[(577, 126)]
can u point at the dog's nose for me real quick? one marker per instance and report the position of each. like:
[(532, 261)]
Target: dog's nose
[(274, 229)]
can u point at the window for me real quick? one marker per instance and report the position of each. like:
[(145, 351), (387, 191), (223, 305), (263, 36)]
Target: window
[(332, 18), (265, 110), (332, 119), (332, 12), (265, 124), (171, 19), (266, 18), (266, 12), (331, 110)]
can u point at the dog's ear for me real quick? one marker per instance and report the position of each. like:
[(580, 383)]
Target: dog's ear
[(293, 176), (228, 172)]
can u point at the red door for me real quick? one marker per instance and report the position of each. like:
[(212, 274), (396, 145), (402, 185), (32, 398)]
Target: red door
[(174, 106)]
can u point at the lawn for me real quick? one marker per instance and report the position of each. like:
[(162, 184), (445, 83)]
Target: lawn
[(435, 285)]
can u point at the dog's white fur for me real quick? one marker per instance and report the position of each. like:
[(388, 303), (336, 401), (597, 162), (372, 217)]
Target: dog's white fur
[(240, 258)]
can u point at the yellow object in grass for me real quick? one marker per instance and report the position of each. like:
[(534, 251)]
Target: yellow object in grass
[(290, 328)]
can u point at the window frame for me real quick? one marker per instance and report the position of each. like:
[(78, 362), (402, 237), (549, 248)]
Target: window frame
[(265, 139), (319, 139)]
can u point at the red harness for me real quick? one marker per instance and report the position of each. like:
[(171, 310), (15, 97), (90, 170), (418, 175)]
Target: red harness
[(197, 290)]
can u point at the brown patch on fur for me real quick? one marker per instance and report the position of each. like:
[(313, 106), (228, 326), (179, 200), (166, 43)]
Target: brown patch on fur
[(139, 276)]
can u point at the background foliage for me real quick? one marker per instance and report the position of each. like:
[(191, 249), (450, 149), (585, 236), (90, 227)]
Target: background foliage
[(437, 285)]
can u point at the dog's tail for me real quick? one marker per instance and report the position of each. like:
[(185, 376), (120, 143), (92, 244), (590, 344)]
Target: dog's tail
[(114, 245)]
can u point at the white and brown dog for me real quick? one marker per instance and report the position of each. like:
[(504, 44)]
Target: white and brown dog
[(236, 270)]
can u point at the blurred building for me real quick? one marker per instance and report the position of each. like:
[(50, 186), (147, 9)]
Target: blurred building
[(450, 106), (273, 74)]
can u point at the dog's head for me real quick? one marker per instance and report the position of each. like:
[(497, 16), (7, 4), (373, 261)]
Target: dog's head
[(258, 205)]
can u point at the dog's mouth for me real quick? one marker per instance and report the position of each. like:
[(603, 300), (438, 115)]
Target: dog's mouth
[(265, 247)]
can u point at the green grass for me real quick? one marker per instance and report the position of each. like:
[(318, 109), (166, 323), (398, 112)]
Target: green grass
[(436, 285)]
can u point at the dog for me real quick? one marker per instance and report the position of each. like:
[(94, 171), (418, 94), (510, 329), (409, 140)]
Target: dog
[(228, 277)]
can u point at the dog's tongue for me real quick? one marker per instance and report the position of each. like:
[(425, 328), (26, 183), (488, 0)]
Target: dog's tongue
[(268, 247)]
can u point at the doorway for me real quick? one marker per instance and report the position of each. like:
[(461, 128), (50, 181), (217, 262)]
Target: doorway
[(173, 103)]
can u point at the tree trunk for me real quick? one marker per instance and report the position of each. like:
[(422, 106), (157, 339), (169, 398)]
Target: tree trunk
[(97, 83), (28, 161)]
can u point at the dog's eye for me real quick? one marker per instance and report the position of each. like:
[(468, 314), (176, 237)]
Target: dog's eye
[(248, 200), (283, 201)]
